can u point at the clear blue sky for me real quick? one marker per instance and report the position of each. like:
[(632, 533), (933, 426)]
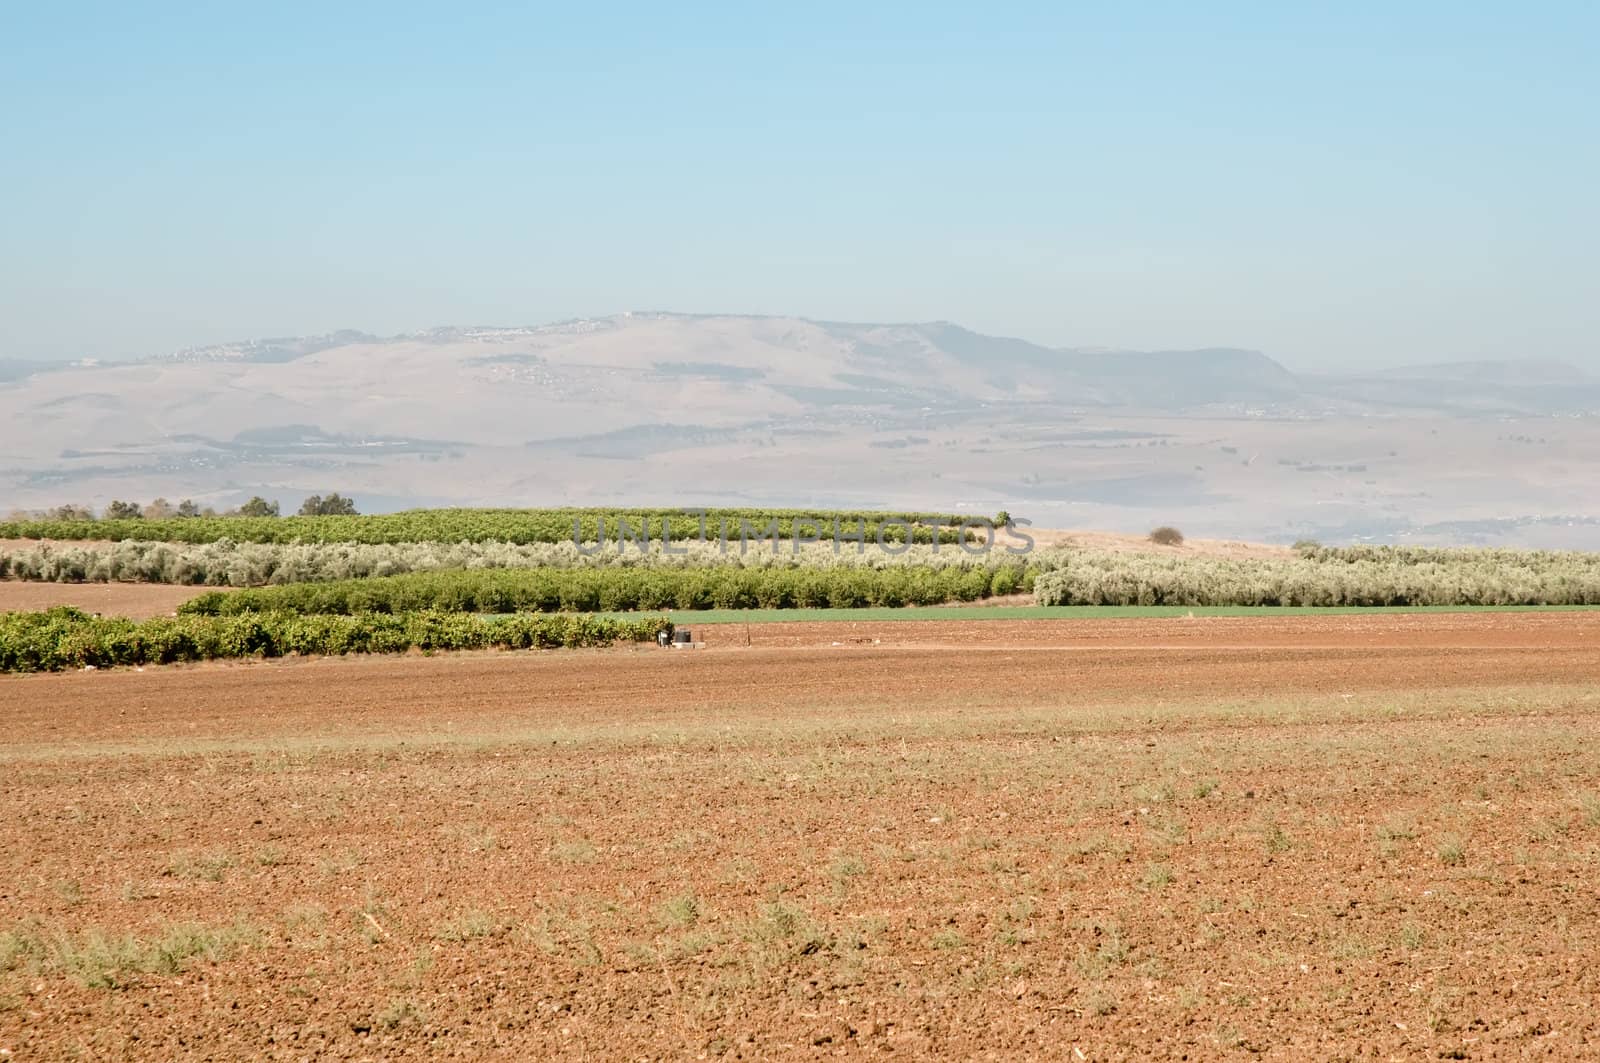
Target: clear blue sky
[(1336, 184)]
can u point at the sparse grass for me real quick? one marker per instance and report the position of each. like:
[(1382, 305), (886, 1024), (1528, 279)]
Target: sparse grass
[(205, 867), (686, 945), (1157, 793), (1589, 809), (1157, 876), (98, 960), (786, 931), (1390, 835), (133, 891), (1546, 830), (469, 925), (688, 840), (312, 917), (1274, 839), (372, 921), (18, 946), (340, 863), (681, 911), (843, 869), (1168, 831), (399, 1012), (1112, 951), (783, 920), (578, 851), (1108, 953), (562, 934), (271, 856), (1098, 844), (1348, 948), (1099, 1001), (476, 838), (739, 869), (1015, 923), (1452, 851)]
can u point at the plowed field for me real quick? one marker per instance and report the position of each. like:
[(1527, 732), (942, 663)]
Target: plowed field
[(1303, 838), (137, 600)]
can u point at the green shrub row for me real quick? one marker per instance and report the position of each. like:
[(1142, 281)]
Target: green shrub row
[(65, 638), (483, 525), (616, 589)]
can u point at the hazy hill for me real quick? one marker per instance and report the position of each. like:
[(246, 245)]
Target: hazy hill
[(669, 407)]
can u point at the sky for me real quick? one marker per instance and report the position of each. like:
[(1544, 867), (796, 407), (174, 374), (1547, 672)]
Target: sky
[(1337, 184)]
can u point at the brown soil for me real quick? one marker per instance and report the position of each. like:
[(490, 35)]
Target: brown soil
[(1436, 631), (138, 600), (1329, 837)]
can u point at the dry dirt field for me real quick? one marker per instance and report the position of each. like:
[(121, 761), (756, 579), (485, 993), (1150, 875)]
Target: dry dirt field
[(1113, 542), (138, 600), (1371, 837)]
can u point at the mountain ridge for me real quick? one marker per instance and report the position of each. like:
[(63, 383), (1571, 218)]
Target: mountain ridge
[(656, 406), (952, 336)]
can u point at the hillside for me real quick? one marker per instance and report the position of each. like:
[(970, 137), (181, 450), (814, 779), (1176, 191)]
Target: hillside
[(663, 408)]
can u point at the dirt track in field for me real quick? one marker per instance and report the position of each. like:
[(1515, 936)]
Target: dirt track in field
[(1307, 837)]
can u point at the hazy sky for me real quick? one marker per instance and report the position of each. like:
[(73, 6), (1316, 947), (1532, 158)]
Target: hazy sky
[(1336, 184)]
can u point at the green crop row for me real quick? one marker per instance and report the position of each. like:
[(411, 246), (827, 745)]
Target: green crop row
[(65, 638), (618, 589), (505, 525)]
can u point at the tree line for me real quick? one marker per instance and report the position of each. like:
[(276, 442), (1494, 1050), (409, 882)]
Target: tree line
[(619, 589), (333, 505), (775, 531)]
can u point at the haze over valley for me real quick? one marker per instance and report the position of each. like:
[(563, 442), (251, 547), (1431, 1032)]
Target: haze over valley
[(659, 408)]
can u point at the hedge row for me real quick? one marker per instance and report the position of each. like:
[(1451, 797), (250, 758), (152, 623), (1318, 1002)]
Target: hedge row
[(587, 590), (226, 563), (1136, 579), (64, 637), (1448, 555), (500, 525)]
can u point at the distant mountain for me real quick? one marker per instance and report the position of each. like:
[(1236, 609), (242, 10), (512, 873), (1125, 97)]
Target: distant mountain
[(276, 350), (1186, 379), (1168, 380), (659, 407)]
